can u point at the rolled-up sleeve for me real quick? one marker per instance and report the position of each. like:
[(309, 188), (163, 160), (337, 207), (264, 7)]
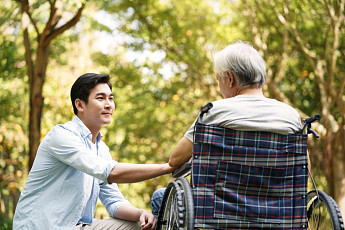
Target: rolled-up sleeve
[(70, 149), (112, 198)]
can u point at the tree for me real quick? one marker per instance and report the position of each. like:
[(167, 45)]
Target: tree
[(157, 99), (13, 111), (37, 49)]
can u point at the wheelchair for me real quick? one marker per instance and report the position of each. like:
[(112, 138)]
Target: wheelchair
[(247, 180)]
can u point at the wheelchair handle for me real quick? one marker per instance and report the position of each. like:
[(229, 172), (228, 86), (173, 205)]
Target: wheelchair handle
[(311, 119), (307, 124), (205, 109)]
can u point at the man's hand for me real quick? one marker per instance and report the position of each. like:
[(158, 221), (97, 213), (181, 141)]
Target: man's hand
[(131, 213), (147, 220)]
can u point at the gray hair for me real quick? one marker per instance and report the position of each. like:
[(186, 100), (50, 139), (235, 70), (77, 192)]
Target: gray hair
[(244, 62)]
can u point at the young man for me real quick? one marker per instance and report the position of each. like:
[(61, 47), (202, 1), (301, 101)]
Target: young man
[(73, 168)]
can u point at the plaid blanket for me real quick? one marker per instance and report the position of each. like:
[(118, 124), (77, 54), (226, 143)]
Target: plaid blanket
[(249, 180)]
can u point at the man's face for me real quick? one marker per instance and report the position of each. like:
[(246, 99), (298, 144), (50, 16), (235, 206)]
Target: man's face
[(100, 107)]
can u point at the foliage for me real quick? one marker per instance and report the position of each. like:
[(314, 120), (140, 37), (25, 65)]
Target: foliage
[(302, 43), (13, 113), (159, 54), (5, 224), (159, 91), (11, 52)]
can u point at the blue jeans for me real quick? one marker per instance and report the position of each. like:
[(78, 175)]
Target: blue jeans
[(156, 201)]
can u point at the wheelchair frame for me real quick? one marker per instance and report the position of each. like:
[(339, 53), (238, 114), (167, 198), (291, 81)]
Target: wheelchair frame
[(177, 208)]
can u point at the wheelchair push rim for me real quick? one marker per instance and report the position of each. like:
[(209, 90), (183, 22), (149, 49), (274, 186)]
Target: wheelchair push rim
[(177, 209)]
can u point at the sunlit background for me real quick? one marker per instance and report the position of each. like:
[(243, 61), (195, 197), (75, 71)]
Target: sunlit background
[(159, 54)]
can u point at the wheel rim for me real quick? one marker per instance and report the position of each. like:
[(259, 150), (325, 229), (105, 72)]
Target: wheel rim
[(178, 209), (318, 213)]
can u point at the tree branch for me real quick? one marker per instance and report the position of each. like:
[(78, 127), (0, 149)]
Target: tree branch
[(28, 57), (310, 56), (49, 23), (51, 3), (282, 59), (330, 11), (339, 100), (25, 9), (336, 23), (63, 28), (272, 84), (27, 46), (341, 89), (325, 46)]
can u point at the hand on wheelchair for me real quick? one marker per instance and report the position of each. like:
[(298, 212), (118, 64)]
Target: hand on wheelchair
[(183, 171)]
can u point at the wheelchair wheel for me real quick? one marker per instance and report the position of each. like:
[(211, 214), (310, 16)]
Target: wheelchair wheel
[(323, 212), (177, 208)]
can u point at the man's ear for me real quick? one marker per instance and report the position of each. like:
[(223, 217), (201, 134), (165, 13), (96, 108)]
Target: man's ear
[(231, 78), (79, 104)]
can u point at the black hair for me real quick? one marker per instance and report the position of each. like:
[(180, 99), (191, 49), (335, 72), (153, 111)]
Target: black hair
[(83, 85)]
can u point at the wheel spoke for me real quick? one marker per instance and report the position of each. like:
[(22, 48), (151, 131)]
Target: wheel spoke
[(178, 207), (323, 212)]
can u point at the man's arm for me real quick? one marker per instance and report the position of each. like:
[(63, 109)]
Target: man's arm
[(131, 173), (131, 213), (181, 153)]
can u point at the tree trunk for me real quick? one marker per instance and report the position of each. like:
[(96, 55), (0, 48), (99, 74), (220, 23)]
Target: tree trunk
[(37, 71), (338, 168), (36, 101)]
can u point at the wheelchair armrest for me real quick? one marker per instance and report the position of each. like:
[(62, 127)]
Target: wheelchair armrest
[(183, 171)]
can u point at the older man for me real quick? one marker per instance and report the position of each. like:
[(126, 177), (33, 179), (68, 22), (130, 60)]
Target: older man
[(240, 72)]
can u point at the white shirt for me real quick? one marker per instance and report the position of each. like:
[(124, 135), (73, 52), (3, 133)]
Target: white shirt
[(66, 179), (251, 113)]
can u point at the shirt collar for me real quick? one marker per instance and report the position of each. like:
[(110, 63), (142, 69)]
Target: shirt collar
[(84, 131)]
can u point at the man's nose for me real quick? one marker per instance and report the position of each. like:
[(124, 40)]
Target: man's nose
[(109, 103)]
